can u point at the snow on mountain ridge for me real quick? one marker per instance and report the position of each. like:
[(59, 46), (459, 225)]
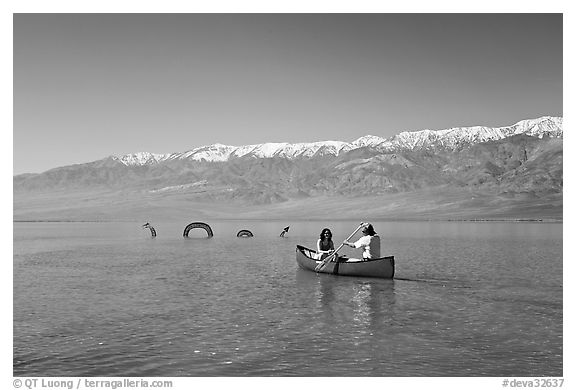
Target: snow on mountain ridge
[(215, 152), (367, 140), (457, 136), (448, 138), (143, 158), (536, 127)]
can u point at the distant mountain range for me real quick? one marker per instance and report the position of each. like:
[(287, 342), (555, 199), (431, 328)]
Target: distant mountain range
[(519, 164), (451, 139)]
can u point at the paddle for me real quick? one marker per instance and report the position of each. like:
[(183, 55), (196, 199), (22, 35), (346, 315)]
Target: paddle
[(329, 258)]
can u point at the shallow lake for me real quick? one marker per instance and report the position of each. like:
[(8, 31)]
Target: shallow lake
[(107, 299)]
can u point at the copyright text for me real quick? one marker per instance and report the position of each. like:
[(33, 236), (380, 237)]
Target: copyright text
[(86, 383)]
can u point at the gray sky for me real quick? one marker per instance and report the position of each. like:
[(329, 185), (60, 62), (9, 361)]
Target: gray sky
[(87, 86)]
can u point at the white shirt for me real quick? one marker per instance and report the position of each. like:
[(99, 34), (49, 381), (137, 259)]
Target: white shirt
[(371, 245)]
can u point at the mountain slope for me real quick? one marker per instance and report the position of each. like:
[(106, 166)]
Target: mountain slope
[(522, 163)]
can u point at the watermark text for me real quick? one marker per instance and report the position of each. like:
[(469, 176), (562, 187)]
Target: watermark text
[(533, 383), (89, 383)]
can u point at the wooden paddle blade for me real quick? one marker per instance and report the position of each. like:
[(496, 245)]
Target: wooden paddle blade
[(324, 262)]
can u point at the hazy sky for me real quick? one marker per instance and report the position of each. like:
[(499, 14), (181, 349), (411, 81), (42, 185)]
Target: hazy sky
[(87, 86)]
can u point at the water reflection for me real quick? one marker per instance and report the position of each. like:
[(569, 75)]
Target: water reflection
[(374, 303), (362, 303)]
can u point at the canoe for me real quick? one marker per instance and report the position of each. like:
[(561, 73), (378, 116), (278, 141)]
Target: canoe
[(376, 268)]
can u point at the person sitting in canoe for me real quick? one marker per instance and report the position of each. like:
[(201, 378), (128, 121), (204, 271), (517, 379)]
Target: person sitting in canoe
[(370, 243), (325, 245)]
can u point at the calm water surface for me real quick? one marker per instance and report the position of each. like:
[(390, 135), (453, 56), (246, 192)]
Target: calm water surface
[(106, 299)]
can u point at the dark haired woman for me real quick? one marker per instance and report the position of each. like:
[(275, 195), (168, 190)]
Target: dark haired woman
[(324, 246)]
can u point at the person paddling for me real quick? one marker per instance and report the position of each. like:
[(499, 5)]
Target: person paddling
[(370, 243)]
